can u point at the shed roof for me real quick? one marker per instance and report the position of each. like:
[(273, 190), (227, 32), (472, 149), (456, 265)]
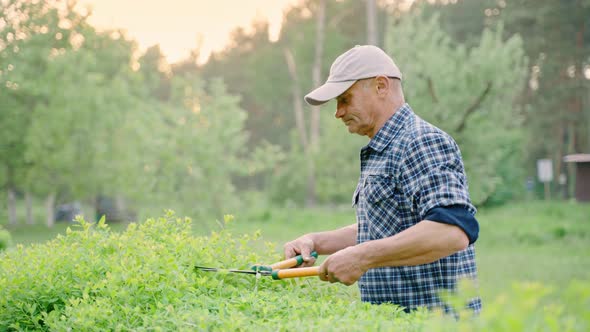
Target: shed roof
[(577, 158)]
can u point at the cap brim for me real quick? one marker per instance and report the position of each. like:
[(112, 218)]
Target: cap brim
[(329, 90)]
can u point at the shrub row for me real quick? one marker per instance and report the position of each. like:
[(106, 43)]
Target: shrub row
[(5, 239), (144, 279)]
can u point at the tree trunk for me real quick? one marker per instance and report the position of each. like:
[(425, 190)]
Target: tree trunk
[(561, 139), (49, 210), (571, 188), (296, 92), (584, 95), (12, 219), (311, 144), (301, 128), (29, 208), (371, 23), (316, 74), (588, 120)]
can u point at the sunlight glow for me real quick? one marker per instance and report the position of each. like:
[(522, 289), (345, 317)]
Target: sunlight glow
[(180, 26)]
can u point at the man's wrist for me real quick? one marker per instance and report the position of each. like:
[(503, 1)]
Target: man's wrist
[(362, 256), (315, 241)]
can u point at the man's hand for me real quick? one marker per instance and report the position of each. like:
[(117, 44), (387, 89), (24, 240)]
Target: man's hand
[(301, 246), (344, 266)]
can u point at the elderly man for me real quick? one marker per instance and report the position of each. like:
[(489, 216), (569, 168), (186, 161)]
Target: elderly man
[(415, 224)]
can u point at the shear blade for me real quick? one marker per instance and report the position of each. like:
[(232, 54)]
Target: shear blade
[(213, 269)]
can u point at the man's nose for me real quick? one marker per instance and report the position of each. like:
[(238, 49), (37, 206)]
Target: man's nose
[(339, 112)]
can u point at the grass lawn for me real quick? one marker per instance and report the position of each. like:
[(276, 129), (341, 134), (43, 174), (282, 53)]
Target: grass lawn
[(529, 241), (545, 242)]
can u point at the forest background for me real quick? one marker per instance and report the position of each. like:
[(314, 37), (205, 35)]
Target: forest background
[(87, 118)]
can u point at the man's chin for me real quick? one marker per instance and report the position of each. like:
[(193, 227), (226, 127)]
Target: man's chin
[(352, 130)]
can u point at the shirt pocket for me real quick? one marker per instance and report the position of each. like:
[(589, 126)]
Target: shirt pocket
[(382, 198), (355, 196)]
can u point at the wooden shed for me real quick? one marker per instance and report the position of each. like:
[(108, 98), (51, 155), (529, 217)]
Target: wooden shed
[(582, 162)]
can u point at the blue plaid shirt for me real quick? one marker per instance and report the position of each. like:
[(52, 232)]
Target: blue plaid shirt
[(408, 168)]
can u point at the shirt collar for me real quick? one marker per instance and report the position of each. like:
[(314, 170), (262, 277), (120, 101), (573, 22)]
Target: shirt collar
[(392, 127)]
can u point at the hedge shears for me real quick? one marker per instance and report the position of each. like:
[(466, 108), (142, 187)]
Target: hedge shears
[(279, 270)]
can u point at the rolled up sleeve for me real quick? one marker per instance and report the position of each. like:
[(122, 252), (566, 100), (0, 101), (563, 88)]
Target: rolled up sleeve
[(434, 178)]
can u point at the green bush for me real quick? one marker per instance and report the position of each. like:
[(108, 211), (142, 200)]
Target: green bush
[(526, 307), (96, 279), (5, 239), (143, 278)]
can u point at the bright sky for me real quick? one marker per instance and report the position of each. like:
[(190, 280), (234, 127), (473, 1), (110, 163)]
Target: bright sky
[(178, 25)]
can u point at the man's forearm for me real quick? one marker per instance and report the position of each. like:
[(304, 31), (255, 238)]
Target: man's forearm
[(329, 242), (422, 243)]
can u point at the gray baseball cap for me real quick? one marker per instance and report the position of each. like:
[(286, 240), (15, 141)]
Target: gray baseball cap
[(358, 63)]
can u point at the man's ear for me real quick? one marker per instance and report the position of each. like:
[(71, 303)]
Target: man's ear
[(382, 85)]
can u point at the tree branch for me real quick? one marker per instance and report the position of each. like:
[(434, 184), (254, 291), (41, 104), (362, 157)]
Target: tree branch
[(473, 107), (431, 90)]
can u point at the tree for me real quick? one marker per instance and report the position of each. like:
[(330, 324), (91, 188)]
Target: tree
[(32, 32), (468, 92), (78, 142), (156, 73), (285, 67), (556, 39), (259, 78), (201, 149), (557, 85)]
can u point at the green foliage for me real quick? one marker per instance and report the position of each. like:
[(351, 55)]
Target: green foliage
[(72, 101), (200, 148), (336, 163), (443, 82), (255, 68), (30, 31), (269, 101), (555, 39), (81, 123), (5, 239), (84, 138), (143, 278), (524, 308), (95, 279), (261, 79), (288, 182)]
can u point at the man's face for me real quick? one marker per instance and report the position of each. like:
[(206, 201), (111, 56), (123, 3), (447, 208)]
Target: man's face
[(355, 107)]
